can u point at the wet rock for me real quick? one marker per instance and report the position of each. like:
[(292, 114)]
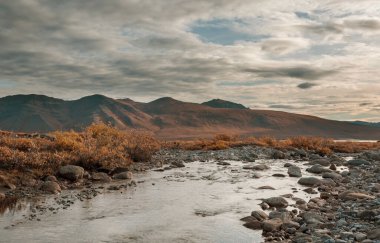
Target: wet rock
[(255, 225), (101, 177), (322, 162), (309, 181), (248, 219), (271, 225), (352, 195), (311, 218), (283, 215), (223, 163), (299, 201), (294, 171), (264, 206), (266, 188), (177, 164), (71, 172), (278, 155), (278, 175), (333, 167), (259, 215), (328, 182), (360, 236), (290, 224), (374, 234), (50, 187), (123, 176), (357, 162), (288, 164), (318, 169), (310, 191), (278, 202), (332, 175)]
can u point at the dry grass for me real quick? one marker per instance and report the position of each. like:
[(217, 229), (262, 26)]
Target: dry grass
[(320, 145), (99, 145)]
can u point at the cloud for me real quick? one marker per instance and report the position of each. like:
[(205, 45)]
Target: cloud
[(283, 46), (299, 72), (306, 85)]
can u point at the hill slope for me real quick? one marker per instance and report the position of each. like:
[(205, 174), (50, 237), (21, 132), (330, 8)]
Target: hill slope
[(167, 118)]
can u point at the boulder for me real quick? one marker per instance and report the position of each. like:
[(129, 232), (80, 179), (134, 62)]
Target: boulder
[(123, 176), (352, 195), (101, 177), (332, 175), (318, 169), (294, 171), (71, 172), (374, 234), (278, 202), (309, 181), (357, 162), (259, 215), (255, 225), (271, 225), (50, 187), (323, 162)]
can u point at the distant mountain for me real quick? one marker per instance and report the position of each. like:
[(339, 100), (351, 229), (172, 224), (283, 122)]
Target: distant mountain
[(218, 103), (168, 118), (371, 124)]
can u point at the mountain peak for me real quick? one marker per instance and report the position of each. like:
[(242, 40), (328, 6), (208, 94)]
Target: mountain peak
[(219, 103)]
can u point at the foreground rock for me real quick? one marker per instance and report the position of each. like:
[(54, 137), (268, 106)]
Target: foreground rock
[(294, 171), (71, 172), (309, 181), (278, 202)]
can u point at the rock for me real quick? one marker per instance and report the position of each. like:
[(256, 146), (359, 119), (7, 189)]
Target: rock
[(260, 167), (371, 155), (223, 163), (318, 169), (346, 235), (311, 218), (284, 216), (323, 162), (352, 195), (332, 175), (50, 187), (51, 178), (290, 224), (310, 191), (259, 215), (123, 176), (288, 164), (278, 202), (374, 234), (255, 225), (248, 219), (117, 170), (328, 182), (358, 162), (177, 164), (278, 175), (333, 167), (271, 225), (2, 196), (101, 177), (266, 187), (71, 172), (360, 236), (309, 181), (264, 206), (294, 171), (278, 155)]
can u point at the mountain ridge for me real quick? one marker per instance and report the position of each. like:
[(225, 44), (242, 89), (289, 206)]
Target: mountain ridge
[(167, 118)]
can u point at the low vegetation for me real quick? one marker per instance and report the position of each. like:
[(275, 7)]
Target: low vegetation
[(323, 146), (99, 145), (102, 145)]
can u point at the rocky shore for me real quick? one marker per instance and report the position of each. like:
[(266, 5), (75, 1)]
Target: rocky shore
[(344, 207)]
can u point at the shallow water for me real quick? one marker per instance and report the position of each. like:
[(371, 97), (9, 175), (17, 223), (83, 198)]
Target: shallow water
[(202, 202)]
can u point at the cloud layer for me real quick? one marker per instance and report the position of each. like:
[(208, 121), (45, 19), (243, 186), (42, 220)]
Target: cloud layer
[(270, 54)]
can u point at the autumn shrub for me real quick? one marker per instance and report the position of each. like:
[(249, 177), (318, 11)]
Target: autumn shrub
[(99, 145)]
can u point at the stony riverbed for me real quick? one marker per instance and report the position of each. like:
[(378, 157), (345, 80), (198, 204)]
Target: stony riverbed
[(200, 196)]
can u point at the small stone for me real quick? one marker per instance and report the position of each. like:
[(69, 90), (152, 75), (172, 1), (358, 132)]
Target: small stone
[(271, 225), (278, 202), (259, 215), (255, 225), (360, 236)]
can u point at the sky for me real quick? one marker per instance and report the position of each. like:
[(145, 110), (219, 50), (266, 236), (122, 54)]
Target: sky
[(312, 57)]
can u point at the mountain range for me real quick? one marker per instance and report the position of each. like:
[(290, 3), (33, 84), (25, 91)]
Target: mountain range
[(168, 118)]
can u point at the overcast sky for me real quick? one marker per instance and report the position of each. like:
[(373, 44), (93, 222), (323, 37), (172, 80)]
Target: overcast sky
[(313, 57)]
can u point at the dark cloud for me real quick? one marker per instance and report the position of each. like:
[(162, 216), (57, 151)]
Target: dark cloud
[(301, 72), (306, 85)]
